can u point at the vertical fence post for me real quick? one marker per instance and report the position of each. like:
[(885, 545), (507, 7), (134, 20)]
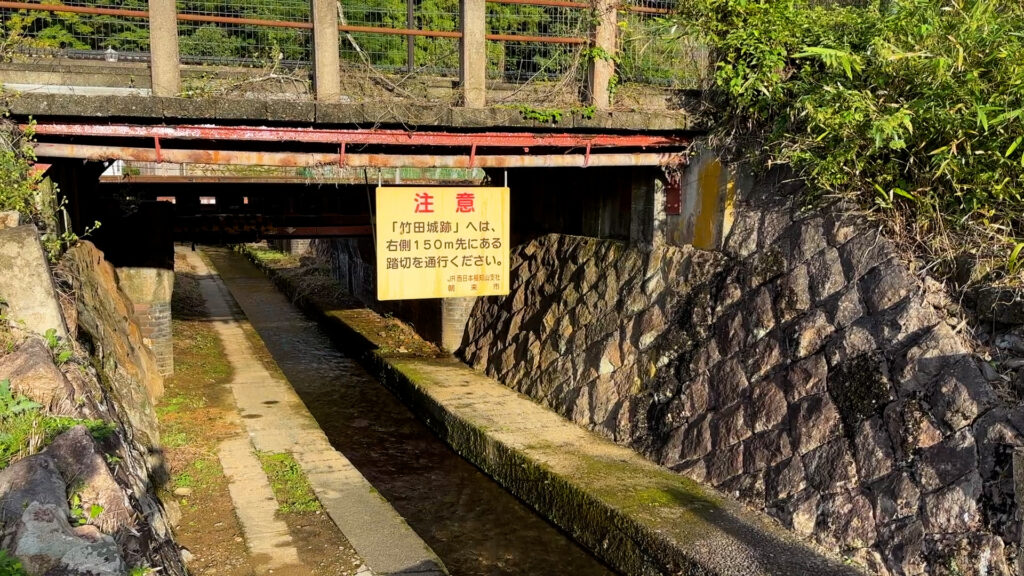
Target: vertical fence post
[(602, 68), (473, 69), (163, 48), (410, 40), (326, 60)]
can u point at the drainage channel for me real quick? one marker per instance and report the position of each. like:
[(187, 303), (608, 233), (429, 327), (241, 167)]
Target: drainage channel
[(470, 521)]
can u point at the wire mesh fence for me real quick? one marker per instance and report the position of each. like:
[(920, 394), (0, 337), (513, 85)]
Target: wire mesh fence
[(431, 48), (552, 40), (245, 32), (535, 51), (104, 29), (653, 49)]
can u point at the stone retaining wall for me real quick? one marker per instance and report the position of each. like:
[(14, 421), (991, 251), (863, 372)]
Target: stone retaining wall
[(109, 376), (806, 369)]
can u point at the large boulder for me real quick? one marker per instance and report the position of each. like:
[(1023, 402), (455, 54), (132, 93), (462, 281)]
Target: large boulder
[(47, 544), (33, 479), (107, 316), (31, 370), (85, 471)]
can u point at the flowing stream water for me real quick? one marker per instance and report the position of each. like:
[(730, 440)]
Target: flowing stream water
[(469, 520)]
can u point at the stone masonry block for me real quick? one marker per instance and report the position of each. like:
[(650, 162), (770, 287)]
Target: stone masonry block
[(825, 271), (26, 286)]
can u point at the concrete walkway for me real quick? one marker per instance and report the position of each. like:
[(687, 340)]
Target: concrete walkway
[(277, 421)]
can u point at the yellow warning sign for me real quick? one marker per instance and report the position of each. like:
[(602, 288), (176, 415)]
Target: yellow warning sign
[(441, 242)]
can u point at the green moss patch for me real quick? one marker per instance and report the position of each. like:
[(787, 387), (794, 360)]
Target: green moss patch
[(860, 389), (291, 487)]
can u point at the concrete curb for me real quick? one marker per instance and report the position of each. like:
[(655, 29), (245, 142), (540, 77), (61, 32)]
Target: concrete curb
[(635, 515)]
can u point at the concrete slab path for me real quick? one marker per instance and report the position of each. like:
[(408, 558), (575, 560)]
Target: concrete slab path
[(276, 420), (267, 538)]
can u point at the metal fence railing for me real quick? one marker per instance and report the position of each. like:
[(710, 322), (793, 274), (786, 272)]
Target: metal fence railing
[(529, 43), (248, 33), (396, 36), (652, 49), (76, 28)]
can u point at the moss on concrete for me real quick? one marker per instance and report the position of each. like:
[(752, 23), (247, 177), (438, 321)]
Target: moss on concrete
[(638, 517)]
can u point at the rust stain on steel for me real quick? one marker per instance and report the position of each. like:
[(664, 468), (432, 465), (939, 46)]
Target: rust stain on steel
[(540, 39), (400, 31), (299, 159), (555, 3), (646, 9), (375, 136), (244, 21), (75, 9), (580, 5)]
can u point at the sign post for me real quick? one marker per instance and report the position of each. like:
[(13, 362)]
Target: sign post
[(442, 242)]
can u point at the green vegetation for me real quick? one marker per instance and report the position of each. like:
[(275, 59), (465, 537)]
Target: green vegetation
[(23, 190), (916, 105), (61, 350), (291, 488), (10, 566), (79, 514), (202, 474), (35, 29), (19, 185), (25, 430)]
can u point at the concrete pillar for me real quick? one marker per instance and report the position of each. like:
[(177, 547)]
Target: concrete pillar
[(163, 48), (293, 246), (150, 290), (326, 72), (602, 68), (474, 53), (454, 316), (708, 191), (647, 209)]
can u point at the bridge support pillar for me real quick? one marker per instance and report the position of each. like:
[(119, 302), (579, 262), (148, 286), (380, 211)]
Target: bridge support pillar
[(293, 246), (473, 69), (602, 67), (149, 290), (647, 209), (163, 48), (454, 316), (705, 198), (326, 62)]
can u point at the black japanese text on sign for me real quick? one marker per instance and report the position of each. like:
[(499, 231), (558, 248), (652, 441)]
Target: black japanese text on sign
[(441, 242)]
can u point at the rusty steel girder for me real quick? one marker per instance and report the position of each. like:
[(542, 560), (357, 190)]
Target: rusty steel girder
[(375, 136), (96, 153)]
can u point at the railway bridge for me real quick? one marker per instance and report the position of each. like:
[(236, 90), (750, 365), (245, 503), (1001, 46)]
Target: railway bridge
[(660, 298)]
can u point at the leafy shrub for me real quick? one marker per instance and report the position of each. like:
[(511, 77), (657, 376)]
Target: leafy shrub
[(912, 103), (18, 183), (10, 566)]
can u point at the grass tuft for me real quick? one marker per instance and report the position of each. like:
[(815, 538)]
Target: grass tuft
[(291, 488)]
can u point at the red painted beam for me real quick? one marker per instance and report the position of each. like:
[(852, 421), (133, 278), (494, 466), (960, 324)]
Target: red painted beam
[(367, 136)]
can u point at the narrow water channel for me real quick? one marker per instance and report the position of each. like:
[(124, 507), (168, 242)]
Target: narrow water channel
[(470, 521)]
